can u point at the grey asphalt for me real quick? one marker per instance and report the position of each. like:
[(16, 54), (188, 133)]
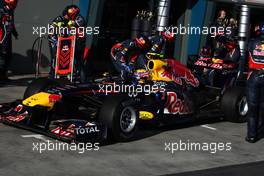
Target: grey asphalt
[(145, 156)]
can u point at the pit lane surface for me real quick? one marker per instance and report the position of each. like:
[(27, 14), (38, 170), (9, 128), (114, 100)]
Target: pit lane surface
[(145, 156)]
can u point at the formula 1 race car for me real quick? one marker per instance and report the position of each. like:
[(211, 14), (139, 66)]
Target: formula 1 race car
[(166, 91)]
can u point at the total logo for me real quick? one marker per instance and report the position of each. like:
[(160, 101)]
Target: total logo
[(87, 130), (174, 105)]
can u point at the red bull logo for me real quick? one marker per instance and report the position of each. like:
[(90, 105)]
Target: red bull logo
[(259, 50), (259, 47), (174, 105), (173, 77), (190, 79), (182, 72)]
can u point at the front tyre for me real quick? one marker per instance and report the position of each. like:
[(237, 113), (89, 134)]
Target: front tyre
[(120, 116)]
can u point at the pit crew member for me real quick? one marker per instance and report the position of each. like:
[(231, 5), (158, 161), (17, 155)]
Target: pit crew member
[(254, 85), (70, 18), (160, 43), (221, 20), (131, 54), (233, 53), (7, 29), (125, 55)]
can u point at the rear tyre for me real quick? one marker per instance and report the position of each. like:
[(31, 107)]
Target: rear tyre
[(234, 105), (120, 116)]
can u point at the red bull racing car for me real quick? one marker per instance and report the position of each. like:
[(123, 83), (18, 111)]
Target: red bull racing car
[(166, 91)]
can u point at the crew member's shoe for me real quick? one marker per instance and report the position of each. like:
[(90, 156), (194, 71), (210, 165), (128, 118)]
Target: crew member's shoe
[(252, 139)]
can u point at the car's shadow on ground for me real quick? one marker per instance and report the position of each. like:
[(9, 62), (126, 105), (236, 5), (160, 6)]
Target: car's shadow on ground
[(22, 82), (26, 64), (147, 131)]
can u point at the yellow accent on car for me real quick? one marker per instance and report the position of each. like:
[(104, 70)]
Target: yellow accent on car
[(215, 60), (39, 99), (145, 115), (158, 68)]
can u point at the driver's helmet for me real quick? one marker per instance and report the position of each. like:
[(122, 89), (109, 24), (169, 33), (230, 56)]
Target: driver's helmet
[(167, 35), (142, 42), (10, 4), (71, 11), (205, 51)]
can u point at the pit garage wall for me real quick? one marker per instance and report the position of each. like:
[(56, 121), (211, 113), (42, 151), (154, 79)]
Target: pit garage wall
[(197, 20), (31, 13), (198, 13)]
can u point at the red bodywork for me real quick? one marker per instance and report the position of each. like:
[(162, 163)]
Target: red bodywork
[(219, 65), (255, 65), (176, 68)]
